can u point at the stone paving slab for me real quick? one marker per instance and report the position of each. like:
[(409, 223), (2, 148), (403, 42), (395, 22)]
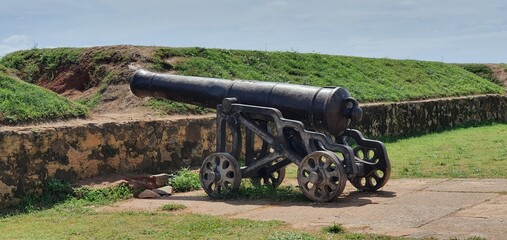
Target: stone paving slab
[(471, 185), (440, 208)]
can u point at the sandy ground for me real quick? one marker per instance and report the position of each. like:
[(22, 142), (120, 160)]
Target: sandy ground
[(440, 208)]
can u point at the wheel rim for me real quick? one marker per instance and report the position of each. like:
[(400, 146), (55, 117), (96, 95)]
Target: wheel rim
[(220, 175), (321, 176), (376, 170)]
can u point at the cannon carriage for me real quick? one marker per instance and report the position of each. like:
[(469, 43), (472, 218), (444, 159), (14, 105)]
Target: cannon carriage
[(273, 125)]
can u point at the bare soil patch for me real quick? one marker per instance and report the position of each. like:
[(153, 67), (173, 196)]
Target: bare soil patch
[(499, 72)]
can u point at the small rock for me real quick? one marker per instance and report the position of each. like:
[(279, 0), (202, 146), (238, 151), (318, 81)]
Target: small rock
[(164, 191), (147, 182), (120, 182), (160, 180), (148, 194)]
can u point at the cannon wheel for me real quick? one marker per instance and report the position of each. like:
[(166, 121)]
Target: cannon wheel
[(321, 176), (376, 170), (272, 179), (220, 175)]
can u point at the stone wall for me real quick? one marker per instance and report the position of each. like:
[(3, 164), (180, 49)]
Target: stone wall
[(29, 157), (417, 117)]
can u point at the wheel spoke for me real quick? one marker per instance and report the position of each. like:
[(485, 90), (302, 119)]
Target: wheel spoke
[(313, 190), (208, 178), (304, 179)]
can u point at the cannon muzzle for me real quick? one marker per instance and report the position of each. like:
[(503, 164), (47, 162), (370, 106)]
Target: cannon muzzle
[(328, 109)]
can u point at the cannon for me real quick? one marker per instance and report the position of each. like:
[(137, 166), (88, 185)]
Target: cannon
[(264, 126)]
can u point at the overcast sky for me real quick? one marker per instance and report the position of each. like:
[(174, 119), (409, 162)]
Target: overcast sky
[(439, 30)]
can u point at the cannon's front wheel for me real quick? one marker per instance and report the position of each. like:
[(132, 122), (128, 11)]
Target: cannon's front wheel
[(220, 175), (321, 176)]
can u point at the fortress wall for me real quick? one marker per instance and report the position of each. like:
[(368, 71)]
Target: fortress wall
[(30, 158), (418, 117)]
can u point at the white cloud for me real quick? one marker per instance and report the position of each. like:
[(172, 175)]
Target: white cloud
[(13, 43), (16, 39)]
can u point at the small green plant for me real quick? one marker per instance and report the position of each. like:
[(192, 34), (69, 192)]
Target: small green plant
[(103, 195), (61, 194), (334, 229), (173, 207), (185, 180), (55, 191), (291, 236)]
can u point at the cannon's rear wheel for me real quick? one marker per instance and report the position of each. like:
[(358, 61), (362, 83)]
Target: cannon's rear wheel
[(220, 175), (321, 176), (273, 179), (376, 170)]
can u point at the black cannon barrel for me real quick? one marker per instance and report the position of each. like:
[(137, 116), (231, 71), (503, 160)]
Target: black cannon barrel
[(328, 109)]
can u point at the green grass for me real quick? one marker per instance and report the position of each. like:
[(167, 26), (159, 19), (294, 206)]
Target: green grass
[(368, 79), (66, 222), (185, 180), (481, 70), (173, 207), (334, 229), (163, 106), (62, 194), (36, 62), (23, 102), (478, 152), (247, 191)]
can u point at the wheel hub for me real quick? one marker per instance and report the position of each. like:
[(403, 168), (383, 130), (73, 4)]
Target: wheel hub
[(316, 177)]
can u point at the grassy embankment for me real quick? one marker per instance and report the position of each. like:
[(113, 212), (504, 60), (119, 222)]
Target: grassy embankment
[(368, 79), (483, 70), (23, 102)]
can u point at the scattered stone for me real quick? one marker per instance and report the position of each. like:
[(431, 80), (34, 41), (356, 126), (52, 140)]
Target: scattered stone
[(146, 182), (160, 180), (148, 194), (164, 191)]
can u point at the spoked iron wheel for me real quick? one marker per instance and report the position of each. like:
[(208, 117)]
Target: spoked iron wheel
[(272, 179), (220, 175), (376, 170), (321, 176)]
